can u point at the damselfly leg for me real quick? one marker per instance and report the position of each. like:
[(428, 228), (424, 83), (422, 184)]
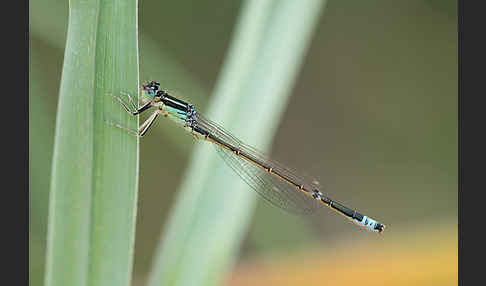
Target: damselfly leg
[(142, 130), (136, 110)]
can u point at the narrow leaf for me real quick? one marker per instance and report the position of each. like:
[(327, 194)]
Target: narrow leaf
[(95, 165), (214, 205)]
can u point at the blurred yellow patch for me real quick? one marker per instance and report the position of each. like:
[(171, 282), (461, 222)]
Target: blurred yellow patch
[(424, 257)]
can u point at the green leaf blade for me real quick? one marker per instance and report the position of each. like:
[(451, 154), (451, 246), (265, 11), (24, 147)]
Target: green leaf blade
[(95, 166), (214, 205)]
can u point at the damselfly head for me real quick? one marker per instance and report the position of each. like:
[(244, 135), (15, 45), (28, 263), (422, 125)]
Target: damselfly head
[(150, 88)]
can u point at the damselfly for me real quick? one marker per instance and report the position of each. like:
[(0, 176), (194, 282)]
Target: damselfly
[(276, 183)]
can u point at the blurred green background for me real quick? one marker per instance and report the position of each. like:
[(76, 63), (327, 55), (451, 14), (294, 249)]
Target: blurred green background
[(373, 116)]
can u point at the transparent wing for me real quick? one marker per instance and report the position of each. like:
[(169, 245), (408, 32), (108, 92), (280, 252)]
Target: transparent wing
[(215, 129), (273, 190)]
